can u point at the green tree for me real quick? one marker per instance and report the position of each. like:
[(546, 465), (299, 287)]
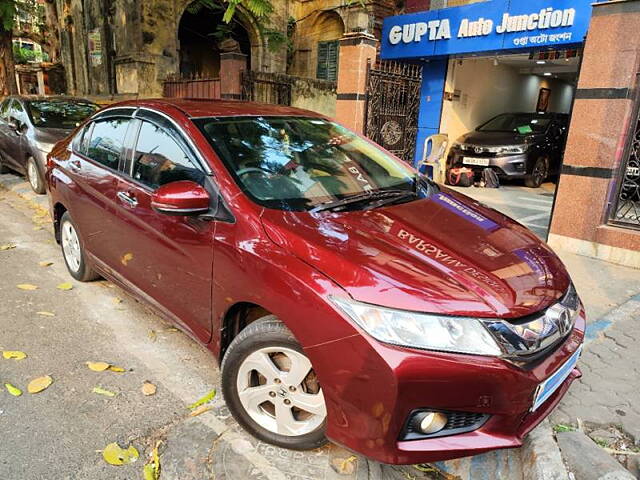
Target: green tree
[(7, 67)]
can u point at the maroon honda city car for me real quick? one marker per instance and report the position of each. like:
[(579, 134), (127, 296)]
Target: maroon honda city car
[(346, 296)]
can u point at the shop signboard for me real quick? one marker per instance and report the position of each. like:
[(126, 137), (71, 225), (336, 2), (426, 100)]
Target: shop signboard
[(492, 26)]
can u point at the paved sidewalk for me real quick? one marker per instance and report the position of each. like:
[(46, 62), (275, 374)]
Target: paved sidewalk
[(213, 446)]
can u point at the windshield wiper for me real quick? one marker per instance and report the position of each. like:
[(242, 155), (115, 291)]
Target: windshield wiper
[(360, 197)]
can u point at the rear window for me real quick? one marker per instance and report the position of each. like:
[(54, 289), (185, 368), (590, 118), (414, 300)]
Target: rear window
[(60, 114), (107, 141)]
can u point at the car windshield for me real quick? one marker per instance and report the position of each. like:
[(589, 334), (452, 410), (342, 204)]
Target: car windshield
[(521, 123), (299, 163), (60, 114)]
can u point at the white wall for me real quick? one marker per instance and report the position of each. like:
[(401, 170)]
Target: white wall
[(487, 90)]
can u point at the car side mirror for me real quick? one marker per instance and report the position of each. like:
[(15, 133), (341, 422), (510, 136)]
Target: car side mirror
[(183, 197), (16, 125)]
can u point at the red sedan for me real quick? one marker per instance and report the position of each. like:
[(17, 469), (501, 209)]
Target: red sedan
[(346, 296)]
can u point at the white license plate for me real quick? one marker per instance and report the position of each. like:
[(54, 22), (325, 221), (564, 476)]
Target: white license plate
[(551, 384), (483, 162)]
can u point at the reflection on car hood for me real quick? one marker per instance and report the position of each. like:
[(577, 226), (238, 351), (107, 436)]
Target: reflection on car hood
[(50, 135), (497, 138), (443, 254)]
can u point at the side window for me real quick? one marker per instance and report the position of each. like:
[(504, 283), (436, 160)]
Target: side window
[(4, 110), (81, 140), (106, 143), (159, 159)]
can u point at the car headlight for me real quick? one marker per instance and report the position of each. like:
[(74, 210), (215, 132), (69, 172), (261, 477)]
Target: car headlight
[(511, 149), (43, 146), (421, 330)]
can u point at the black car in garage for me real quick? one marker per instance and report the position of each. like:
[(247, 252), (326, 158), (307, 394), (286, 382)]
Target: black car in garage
[(31, 126), (525, 146)]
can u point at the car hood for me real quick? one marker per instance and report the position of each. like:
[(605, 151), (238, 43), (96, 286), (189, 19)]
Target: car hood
[(497, 138), (50, 135), (444, 254)]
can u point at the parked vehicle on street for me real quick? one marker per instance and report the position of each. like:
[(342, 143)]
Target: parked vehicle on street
[(31, 126), (525, 146), (346, 296)]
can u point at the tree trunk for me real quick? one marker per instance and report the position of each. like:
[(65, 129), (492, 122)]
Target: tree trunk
[(7, 68), (52, 34)]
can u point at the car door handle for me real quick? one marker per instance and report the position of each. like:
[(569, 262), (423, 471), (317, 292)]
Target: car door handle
[(75, 164), (127, 198)]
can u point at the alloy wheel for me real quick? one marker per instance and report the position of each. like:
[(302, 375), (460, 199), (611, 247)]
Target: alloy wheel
[(278, 389), (540, 171), (32, 175), (71, 246)]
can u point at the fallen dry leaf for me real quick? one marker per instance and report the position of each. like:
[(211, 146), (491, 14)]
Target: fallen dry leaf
[(15, 391), (14, 354), (27, 286), (126, 258), (45, 264), (152, 469), (102, 391), (200, 410), (98, 366), (113, 368), (148, 388), (115, 455), (116, 300), (152, 335), (201, 401), (46, 314), (65, 286), (8, 246), (39, 384)]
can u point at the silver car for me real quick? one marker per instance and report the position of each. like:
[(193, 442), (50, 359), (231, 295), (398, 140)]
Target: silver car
[(31, 126)]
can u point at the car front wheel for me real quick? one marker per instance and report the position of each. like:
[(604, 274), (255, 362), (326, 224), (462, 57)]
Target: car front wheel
[(34, 176), (73, 251), (538, 174), (271, 389)]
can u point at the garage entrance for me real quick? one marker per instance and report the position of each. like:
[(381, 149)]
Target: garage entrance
[(510, 114)]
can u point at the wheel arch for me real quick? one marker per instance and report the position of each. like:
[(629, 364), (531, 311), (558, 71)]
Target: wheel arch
[(58, 211), (236, 319)]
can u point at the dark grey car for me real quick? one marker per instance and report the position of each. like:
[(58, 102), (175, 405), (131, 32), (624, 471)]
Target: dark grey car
[(31, 126), (525, 146)]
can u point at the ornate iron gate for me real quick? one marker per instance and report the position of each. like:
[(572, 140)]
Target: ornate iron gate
[(266, 87), (393, 100), (627, 211)]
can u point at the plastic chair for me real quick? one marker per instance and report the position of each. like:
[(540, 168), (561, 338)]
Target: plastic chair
[(433, 157)]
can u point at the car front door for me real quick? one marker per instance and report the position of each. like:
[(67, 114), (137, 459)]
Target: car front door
[(93, 167), (169, 258), (12, 143)]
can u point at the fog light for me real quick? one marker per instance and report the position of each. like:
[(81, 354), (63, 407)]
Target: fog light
[(519, 167), (432, 422)]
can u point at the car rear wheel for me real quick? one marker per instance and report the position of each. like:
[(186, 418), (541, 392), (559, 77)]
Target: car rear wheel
[(3, 168), (271, 389), (73, 251), (538, 174), (34, 176)]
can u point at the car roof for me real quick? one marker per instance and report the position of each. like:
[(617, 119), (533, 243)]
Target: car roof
[(195, 108)]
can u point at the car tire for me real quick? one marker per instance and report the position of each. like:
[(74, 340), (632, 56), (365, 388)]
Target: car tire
[(539, 173), (3, 168), (73, 251), (264, 349), (34, 176)]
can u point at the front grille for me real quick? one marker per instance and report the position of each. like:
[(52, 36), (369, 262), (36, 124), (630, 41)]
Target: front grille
[(457, 422)]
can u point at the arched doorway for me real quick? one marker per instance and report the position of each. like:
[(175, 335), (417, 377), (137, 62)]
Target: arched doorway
[(200, 33)]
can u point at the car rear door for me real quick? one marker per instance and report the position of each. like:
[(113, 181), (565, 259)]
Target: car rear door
[(93, 167), (169, 258)]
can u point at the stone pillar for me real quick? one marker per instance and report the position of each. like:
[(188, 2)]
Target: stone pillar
[(356, 49), (602, 119), (232, 64)]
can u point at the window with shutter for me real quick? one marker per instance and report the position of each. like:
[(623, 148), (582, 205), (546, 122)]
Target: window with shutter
[(328, 60)]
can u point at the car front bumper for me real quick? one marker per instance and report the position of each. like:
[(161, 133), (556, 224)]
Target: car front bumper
[(509, 166), (373, 388)]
